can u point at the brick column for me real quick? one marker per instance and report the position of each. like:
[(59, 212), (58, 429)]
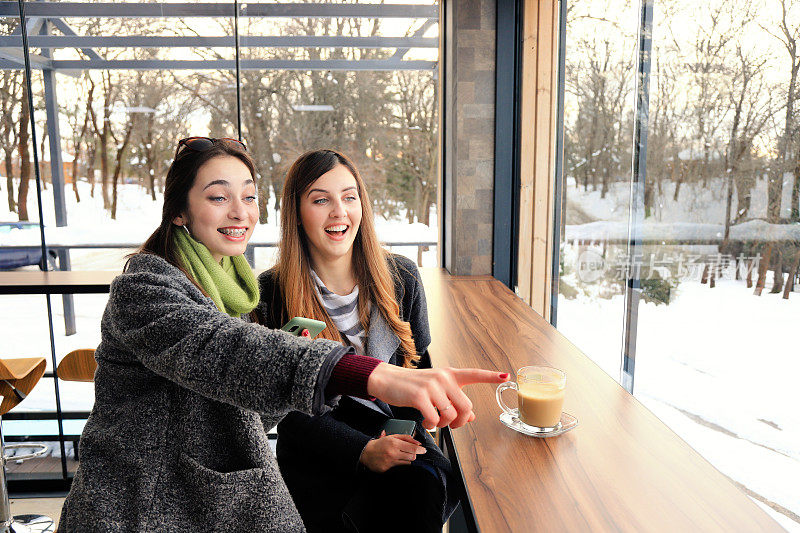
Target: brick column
[(468, 136)]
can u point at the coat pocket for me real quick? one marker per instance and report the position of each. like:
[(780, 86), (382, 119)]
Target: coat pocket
[(199, 498), (200, 475)]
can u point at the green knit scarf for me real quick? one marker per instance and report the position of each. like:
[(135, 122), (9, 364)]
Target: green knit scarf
[(232, 285)]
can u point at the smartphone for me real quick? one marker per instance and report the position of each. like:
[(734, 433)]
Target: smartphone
[(395, 426), (296, 326)]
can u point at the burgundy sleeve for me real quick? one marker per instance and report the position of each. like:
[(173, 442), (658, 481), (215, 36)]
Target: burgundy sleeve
[(350, 376)]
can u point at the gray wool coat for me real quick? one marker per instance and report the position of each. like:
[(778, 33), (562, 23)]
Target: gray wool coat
[(176, 440)]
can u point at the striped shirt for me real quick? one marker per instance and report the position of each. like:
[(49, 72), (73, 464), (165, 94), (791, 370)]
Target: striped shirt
[(343, 311)]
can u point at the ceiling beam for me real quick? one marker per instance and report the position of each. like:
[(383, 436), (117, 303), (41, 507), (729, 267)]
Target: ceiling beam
[(180, 9), (246, 64), (401, 51), (15, 60), (247, 41), (69, 32)]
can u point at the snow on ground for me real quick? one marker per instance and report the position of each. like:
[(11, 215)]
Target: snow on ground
[(719, 366), (683, 231), (696, 203)]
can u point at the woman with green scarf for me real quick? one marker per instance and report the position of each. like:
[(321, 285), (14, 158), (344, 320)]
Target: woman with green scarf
[(187, 386)]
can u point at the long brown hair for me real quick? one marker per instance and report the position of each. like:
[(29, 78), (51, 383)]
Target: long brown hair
[(180, 178), (370, 269)]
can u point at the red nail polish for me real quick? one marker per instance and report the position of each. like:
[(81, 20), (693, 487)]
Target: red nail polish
[(504, 375)]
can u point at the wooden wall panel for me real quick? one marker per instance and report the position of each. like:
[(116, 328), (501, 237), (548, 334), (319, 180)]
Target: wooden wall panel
[(538, 121), (527, 148)]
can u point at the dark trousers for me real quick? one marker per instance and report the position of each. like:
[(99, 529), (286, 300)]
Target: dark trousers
[(402, 499)]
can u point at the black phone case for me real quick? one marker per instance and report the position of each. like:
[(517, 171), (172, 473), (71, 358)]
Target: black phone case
[(395, 426)]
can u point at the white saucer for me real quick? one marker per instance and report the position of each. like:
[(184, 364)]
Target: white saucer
[(566, 423)]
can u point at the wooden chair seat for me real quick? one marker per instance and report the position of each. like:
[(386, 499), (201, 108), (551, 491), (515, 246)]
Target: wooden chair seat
[(21, 374), (18, 377), (78, 365)]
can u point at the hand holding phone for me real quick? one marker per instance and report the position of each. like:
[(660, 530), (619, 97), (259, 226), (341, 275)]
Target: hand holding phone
[(296, 326), (386, 451), (396, 426)]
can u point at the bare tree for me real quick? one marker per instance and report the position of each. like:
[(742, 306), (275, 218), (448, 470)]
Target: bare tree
[(599, 78), (411, 175), (109, 88), (750, 113), (24, 161), (130, 94), (159, 130), (664, 138), (80, 127), (706, 68), (10, 102), (278, 127), (789, 36)]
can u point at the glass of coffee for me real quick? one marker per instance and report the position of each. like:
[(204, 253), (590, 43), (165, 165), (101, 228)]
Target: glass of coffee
[(540, 395)]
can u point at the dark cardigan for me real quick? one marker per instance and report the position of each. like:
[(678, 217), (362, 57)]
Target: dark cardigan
[(319, 456)]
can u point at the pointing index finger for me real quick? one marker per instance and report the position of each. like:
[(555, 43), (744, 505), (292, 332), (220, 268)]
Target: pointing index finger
[(468, 376)]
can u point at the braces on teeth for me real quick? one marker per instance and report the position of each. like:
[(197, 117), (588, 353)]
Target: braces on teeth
[(233, 232)]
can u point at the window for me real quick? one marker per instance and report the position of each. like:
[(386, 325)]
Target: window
[(681, 227)]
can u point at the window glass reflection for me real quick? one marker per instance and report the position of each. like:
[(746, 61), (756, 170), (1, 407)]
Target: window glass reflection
[(720, 231), (600, 67), (715, 345)]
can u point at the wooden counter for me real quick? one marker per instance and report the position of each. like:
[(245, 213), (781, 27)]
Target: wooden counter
[(621, 469), (55, 282)]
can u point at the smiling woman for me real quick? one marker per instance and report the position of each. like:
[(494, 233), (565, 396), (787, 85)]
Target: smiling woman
[(330, 214), (208, 191), (222, 210), (345, 473)]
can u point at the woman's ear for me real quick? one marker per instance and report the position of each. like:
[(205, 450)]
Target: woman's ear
[(179, 220)]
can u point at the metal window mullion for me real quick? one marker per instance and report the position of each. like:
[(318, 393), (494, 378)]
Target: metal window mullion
[(37, 175), (558, 186), (57, 176), (506, 132), (636, 215), (238, 70), (446, 123)]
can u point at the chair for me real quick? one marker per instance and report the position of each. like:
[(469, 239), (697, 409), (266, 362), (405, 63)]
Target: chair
[(18, 377), (77, 365)]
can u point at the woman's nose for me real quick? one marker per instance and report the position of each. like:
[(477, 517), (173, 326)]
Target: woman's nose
[(238, 210), (338, 210)]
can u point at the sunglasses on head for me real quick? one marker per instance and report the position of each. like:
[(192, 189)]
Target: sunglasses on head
[(201, 144)]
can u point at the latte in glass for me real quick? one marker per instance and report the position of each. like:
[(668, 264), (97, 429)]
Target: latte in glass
[(540, 396)]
